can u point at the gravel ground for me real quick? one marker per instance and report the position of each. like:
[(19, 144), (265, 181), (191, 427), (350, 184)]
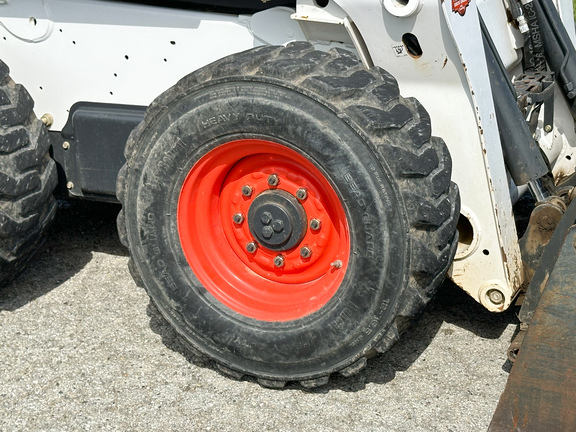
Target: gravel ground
[(83, 348)]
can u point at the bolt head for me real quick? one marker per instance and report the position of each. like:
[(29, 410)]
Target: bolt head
[(251, 247), (301, 194), (305, 252), (273, 179), (548, 128), (315, 224), (247, 190), (70, 185), (496, 296), (65, 145), (278, 225), (47, 119), (266, 218), (267, 232), (238, 218), (279, 261)]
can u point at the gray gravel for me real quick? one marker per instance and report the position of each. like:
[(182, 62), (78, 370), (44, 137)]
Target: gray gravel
[(82, 348)]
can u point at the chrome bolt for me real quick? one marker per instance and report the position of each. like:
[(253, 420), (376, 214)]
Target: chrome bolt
[(238, 218), (273, 179), (65, 145), (279, 261), (548, 128), (315, 224), (305, 252), (247, 190), (267, 232), (496, 296), (301, 194), (337, 264), (251, 247), (69, 185)]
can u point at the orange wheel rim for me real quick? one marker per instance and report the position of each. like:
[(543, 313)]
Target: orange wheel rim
[(239, 254)]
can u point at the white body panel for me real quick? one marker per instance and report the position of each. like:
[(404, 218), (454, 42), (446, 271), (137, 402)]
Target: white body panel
[(85, 50), (67, 51)]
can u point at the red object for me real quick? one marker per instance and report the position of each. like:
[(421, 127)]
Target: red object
[(460, 6), (215, 246)]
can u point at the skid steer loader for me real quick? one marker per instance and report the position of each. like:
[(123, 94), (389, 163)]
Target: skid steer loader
[(286, 200)]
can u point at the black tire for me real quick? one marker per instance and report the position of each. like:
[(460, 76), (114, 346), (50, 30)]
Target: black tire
[(27, 178), (375, 149)]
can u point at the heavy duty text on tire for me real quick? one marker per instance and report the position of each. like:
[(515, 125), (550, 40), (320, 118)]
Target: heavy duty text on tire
[(27, 178), (286, 210)]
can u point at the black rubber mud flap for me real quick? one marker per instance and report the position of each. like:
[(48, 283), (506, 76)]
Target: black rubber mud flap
[(540, 394)]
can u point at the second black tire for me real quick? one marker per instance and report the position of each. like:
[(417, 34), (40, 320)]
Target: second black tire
[(27, 178), (207, 153)]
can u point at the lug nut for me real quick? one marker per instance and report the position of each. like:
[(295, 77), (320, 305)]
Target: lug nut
[(337, 264), (301, 194), (238, 218), (247, 190), (279, 261), (315, 224), (273, 180), (305, 252), (251, 247)]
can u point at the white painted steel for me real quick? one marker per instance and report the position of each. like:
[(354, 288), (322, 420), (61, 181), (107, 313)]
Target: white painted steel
[(439, 81), (502, 229), (113, 52), (506, 40), (67, 51)]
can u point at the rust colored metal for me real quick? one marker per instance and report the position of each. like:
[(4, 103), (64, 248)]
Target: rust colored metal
[(540, 394), (517, 342), (542, 225), (546, 260)]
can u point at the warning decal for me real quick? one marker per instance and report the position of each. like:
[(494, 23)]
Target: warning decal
[(460, 6)]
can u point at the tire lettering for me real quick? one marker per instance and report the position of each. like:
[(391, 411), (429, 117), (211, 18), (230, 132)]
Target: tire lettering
[(346, 316), (150, 235), (354, 189), (220, 118), (367, 222), (260, 118), (383, 306), (381, 186), (172, 155)]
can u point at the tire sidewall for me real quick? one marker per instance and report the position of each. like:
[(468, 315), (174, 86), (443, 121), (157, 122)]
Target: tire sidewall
[(364, 306)]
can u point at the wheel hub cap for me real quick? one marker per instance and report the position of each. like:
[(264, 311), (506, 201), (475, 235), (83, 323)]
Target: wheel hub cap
[(277, 220)]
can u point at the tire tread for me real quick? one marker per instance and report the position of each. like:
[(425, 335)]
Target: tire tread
[(372, 106), (27, 178)]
